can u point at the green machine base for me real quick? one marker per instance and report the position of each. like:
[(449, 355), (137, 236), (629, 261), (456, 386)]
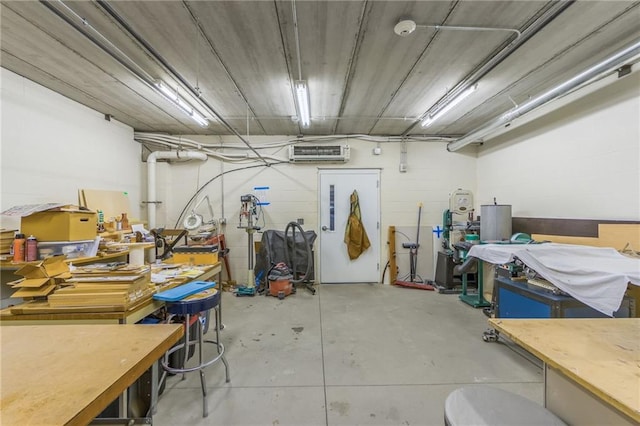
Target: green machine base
[(475, 300)]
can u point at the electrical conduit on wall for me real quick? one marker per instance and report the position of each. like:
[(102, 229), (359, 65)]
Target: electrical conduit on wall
[(151, 176)]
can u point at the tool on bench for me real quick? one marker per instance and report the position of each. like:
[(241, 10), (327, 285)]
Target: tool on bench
[(164, 243)]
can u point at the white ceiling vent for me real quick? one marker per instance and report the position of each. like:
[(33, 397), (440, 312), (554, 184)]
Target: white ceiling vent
[(319, 153)]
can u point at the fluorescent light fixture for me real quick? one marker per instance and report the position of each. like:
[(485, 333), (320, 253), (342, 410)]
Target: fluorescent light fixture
[(184, 106), (198, 118), (455, 101), (178, 101), (302, 98)]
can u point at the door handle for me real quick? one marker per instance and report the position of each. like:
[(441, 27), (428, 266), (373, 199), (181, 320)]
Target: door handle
[(324, 228)]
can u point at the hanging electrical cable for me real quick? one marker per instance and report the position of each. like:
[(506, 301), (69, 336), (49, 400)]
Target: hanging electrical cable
[(195, 195)]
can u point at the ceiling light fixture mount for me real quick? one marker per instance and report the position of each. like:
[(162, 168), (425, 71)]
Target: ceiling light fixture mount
[(302, 101), (407, 26), (300, 86), (448, 106), (173, 96)]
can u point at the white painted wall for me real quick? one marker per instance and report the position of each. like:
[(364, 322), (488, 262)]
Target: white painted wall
[(53, 146), (432, 174), (581, 161)]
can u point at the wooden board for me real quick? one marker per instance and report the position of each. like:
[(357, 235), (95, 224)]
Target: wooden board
[(112, 203), (34, 291), (601, 355), (42, 307), (67, 374), (122, 299), (393, 266), (609, 235)]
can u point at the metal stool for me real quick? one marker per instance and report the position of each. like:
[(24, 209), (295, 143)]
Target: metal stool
[(196, 304), (486, 405)]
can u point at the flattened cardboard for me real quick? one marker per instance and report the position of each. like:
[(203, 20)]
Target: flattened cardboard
[(32, 283), (55, 266), (34, 292), (39, 274)]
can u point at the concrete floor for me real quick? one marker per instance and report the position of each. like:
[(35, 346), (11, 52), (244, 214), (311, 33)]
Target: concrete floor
[(353, 354)]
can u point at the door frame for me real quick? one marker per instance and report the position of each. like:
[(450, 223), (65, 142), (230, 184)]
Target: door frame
[(378, 171)]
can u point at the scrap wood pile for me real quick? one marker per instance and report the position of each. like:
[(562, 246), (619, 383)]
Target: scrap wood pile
[(6, 239), (118, 286)]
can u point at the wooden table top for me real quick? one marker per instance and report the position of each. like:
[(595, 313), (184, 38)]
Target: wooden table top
[(67, 374), (602, 355)]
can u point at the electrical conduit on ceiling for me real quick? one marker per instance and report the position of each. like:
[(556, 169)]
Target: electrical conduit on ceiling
[(553, 11), (173, 72), (151, 176), (607, 65)]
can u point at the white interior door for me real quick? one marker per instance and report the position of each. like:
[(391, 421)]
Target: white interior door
[(335, 189)]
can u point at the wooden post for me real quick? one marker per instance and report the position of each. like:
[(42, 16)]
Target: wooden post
[(393, 267)]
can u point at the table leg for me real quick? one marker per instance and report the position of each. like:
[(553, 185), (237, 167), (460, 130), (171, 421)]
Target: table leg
[(575, 405)]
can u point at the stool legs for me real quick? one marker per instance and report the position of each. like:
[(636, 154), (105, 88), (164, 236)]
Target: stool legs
[(202, 363), (203, 384), (220, 346), (187, 343)]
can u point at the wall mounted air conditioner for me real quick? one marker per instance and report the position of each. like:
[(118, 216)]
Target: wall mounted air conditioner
[(319, 153)]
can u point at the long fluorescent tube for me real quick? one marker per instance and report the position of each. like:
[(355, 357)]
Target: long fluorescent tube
[(302, 98), (178, 101), (198, 118), (455, 101)]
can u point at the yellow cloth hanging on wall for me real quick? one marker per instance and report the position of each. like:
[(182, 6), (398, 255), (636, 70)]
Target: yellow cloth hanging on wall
[(355, 236)]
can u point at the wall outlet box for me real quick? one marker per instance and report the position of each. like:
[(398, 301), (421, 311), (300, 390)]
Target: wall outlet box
[(403, 167), (377, 150)]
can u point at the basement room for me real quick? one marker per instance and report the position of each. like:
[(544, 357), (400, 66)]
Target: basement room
[(307, 212)]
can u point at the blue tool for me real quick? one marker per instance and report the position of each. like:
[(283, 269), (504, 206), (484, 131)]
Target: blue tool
[(249, 291)]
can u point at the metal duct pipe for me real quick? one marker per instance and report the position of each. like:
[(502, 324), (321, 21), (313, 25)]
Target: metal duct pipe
[(151, 176), (612, 62)]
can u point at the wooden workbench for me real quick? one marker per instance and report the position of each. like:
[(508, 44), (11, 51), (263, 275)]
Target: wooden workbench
[(592, 366), (98, 315), (68, 374)]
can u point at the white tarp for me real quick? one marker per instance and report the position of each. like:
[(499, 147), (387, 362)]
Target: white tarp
[(596, 276)]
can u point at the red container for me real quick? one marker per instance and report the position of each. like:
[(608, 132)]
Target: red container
[(280, 288), (18, 248), (31, 250)]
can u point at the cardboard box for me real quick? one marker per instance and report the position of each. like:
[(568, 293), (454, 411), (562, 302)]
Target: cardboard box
[(41, 278), (60, 224), (195, 255)]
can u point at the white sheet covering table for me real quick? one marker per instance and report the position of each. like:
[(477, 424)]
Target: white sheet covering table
[(596, 276)]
